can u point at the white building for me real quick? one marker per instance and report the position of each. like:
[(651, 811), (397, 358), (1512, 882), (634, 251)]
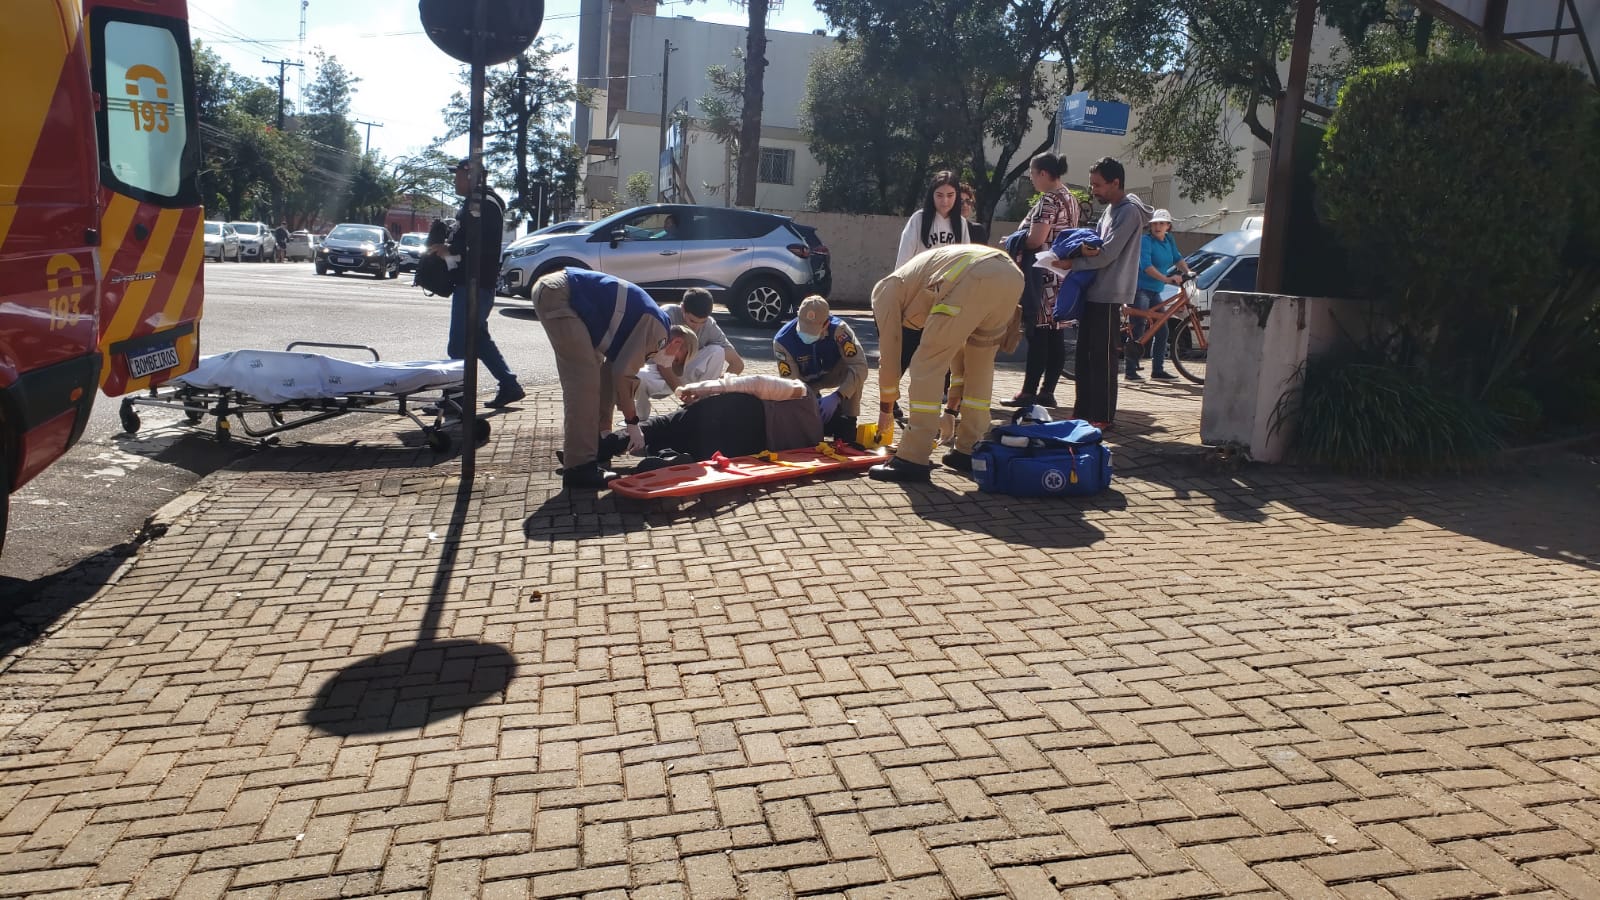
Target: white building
[(621, 132)]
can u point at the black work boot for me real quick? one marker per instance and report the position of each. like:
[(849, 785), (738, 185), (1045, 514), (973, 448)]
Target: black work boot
[(898, 469), (588, 475), (509, 393), (955, 459)]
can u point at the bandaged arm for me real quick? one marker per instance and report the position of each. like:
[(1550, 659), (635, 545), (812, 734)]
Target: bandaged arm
[(767, 387)]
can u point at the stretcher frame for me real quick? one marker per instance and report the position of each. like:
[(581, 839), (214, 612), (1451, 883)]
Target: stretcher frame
[(442, 404), (721, 473)]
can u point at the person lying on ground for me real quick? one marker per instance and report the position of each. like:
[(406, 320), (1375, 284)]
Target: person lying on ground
[(737, 415)]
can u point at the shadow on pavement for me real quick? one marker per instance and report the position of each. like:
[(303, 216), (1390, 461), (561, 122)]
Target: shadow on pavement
[(430, 680), (1548, 510), (1047, 523), (28, 609)]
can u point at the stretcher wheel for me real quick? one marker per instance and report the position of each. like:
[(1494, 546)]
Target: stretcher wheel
[(194, 415), (480, 430), (276, 417), (438, 441), (224, 431), (130, 419)]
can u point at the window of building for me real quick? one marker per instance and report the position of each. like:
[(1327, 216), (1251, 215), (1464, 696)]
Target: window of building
[(1261, 164), (777, 166)]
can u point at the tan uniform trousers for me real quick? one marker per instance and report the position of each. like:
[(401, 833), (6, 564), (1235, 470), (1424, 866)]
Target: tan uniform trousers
[(970, 322), (587, 394)]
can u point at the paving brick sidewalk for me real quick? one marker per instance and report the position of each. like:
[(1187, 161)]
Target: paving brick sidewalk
[(1205, 682)]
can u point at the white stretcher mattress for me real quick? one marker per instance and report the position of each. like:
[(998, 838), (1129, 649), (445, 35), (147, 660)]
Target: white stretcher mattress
[(275, 376)]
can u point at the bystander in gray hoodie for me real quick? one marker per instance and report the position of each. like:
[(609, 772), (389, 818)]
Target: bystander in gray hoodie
[(1121, 230)]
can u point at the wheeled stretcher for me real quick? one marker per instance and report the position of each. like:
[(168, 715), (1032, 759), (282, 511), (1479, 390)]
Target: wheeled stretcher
[(268, 392)]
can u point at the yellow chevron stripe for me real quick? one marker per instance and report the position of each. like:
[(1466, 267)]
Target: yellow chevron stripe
[(114, 223), (172, 313), (38, 38), (131, 310)]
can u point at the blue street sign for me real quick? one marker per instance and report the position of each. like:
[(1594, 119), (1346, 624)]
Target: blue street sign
[(1079, 113)]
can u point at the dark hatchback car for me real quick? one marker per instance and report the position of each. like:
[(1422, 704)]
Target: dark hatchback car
[(359, 248)]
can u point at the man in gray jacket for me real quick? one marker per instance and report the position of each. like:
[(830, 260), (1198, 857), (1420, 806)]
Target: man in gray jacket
[(1121, 230)]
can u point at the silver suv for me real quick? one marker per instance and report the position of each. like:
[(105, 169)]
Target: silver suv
[(757, 263)]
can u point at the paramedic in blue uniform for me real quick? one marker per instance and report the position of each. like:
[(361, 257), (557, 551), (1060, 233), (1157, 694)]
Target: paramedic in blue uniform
[(602, 330), (821, 350)]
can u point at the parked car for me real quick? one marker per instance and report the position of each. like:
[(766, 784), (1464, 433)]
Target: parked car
[(758, 263), (353, 247), (222, 242), (303, 246), (567, 227), (256, 241), (1226, 263), (821, 261), (410, 249)]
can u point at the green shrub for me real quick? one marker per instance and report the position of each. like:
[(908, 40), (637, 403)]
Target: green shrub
[(1371, 418), (1449, 181), (1521, 411)]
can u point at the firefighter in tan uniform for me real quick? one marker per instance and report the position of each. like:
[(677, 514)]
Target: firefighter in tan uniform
[(962, 298)]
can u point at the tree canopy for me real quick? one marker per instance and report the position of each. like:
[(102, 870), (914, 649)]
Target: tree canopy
[(945, 79), (308, 174), (527, 103)]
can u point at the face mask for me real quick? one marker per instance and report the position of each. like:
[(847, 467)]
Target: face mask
[(808, 338)]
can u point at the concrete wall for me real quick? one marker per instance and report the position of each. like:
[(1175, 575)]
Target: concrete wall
[(863, 249), (1258, 347)]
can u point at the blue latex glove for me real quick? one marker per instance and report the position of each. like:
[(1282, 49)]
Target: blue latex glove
[(829, 405)]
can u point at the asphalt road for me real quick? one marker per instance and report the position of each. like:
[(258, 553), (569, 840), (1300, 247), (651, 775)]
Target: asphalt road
[(100, 494)]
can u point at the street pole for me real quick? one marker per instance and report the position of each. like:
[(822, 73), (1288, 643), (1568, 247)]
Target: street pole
[(370, 126), (469, 405), (666, 54), (282, 64), (1280, 172)]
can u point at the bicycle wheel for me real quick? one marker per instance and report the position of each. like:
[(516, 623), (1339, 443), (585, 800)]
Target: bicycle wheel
[(1188, 356)]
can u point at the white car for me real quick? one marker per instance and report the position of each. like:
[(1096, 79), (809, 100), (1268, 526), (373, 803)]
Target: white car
[(1226, 263), (222, 242), (256, 242), (303, 246)]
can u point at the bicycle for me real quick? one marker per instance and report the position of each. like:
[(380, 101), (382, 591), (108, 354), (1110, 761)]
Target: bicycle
[(1186, 346)]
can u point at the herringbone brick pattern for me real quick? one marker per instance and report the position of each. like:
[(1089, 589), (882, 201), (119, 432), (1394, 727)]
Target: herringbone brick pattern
[(1202, 683)]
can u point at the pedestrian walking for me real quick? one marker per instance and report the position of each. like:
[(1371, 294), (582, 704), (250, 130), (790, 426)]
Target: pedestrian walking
[(483, 231), (1158, 260), (280, 237), (1121, 230)]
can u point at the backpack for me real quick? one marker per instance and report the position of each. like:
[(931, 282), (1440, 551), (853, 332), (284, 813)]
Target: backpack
[(433, 272), (1049, 459)]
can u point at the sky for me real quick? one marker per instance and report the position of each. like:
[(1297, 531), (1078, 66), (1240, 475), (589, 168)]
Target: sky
[(405, 80)]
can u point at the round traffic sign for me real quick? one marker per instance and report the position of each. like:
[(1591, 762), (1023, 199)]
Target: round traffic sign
[(511, 27)]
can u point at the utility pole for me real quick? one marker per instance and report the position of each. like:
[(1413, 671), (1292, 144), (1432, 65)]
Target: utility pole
[(370, 126), (281, 64), (1280, 172), (666, 53)]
